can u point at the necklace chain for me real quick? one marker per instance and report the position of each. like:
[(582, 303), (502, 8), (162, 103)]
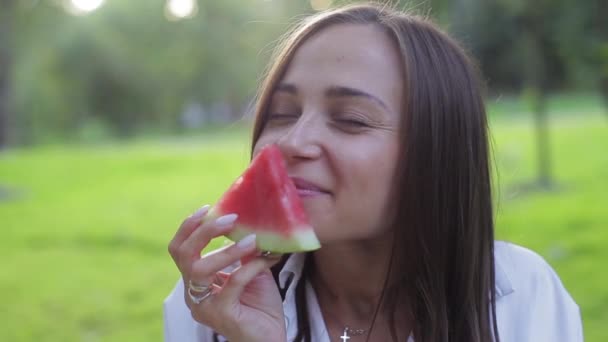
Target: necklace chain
[(347, 331), (354, 332)]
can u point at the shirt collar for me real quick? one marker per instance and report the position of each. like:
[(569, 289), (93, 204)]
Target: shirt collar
[(501, 279), (292, 270)]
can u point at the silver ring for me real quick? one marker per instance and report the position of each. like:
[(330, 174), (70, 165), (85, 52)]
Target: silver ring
[(198, 293), (197, 287), (199, 298), (265, 253)]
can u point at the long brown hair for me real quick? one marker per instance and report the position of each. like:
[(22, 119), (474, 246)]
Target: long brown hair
[(443, 255)]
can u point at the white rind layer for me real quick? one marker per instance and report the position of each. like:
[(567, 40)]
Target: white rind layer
[(298, 241)]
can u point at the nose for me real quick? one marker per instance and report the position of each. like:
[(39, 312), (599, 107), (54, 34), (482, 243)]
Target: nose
[(301, 141)]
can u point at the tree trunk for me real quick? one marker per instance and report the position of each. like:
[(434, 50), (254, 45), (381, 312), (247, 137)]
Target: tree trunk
[(602, 27), (604, 90), (541, 123), (6, 7), (536, 86)]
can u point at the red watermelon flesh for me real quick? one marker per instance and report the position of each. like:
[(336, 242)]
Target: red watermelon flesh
[(267, 204)]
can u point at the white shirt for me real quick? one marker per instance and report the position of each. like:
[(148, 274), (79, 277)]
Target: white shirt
[(531, 303)]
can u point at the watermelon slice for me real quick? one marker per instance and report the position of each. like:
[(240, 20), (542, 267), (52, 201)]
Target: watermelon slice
[(267, 205)]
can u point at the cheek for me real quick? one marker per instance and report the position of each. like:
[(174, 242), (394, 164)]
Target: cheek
[(375, 186), (374, 170), (368, 178)]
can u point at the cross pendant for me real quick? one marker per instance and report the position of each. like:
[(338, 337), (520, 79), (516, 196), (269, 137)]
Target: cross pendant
[(345, 336)]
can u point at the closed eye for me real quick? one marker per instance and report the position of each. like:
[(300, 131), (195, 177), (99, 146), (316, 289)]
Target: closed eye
[(353, 122), (280, 119), (278, 116)]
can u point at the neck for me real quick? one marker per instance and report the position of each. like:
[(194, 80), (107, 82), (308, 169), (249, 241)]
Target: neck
[(349, 277)]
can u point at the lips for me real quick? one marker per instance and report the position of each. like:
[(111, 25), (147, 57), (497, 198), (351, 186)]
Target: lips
[(305, 187)]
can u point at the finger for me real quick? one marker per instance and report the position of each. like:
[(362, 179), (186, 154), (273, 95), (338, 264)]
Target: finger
[(247, 258), (238, 280), (221, 277), (204, 312), (198, 308), (191, 249), (186, 228), (207, 267), (250, 257)]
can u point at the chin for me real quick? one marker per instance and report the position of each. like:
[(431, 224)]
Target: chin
[(323, 234), (332, 235), (320, 215), (336, 234)]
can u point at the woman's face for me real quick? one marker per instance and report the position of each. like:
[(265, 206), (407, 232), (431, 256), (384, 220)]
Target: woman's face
[(335, 116)]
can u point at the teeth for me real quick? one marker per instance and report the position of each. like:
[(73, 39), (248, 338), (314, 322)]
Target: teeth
[(309, 191)]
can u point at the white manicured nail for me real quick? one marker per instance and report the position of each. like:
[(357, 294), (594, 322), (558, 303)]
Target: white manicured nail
[(226, 220), (201, 212), (247, 241)]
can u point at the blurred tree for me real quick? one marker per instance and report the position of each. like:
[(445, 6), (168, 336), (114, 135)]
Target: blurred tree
[(129, 68), (535, 46), (494, 29), (41, 93), (6, 33), (537, 49), (513, 39), (600, 24)]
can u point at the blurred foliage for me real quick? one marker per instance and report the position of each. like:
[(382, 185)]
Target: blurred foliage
[(569, 33), (127, 69)]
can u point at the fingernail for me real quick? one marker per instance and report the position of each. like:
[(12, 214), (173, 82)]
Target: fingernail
[(247, 241), (226, 220), (201, 212)]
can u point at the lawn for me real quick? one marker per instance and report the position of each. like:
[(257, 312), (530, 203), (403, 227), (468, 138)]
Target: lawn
[(85, 228)]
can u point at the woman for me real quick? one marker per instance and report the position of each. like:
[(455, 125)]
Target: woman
[(380, 118)]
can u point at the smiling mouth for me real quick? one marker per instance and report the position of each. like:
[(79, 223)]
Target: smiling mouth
[(309, 193), (308, 189)]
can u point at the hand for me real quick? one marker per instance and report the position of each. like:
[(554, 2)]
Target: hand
[(245, 304)]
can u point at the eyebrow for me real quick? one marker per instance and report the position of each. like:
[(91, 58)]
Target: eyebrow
[(334, 91)]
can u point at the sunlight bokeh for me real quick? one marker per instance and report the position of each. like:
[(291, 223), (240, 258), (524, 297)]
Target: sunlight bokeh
[(181, 9), (320, 5), (86, 6)]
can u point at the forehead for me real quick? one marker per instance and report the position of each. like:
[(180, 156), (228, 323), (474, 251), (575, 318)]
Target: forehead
[(353, 55)]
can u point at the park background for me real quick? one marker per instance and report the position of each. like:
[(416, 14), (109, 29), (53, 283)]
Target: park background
[(120, 118)]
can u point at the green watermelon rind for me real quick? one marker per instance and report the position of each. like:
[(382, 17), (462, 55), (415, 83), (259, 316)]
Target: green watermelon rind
[(301, 240)]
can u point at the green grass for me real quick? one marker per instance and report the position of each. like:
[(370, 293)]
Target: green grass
[(568, 225), (85, 228)]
